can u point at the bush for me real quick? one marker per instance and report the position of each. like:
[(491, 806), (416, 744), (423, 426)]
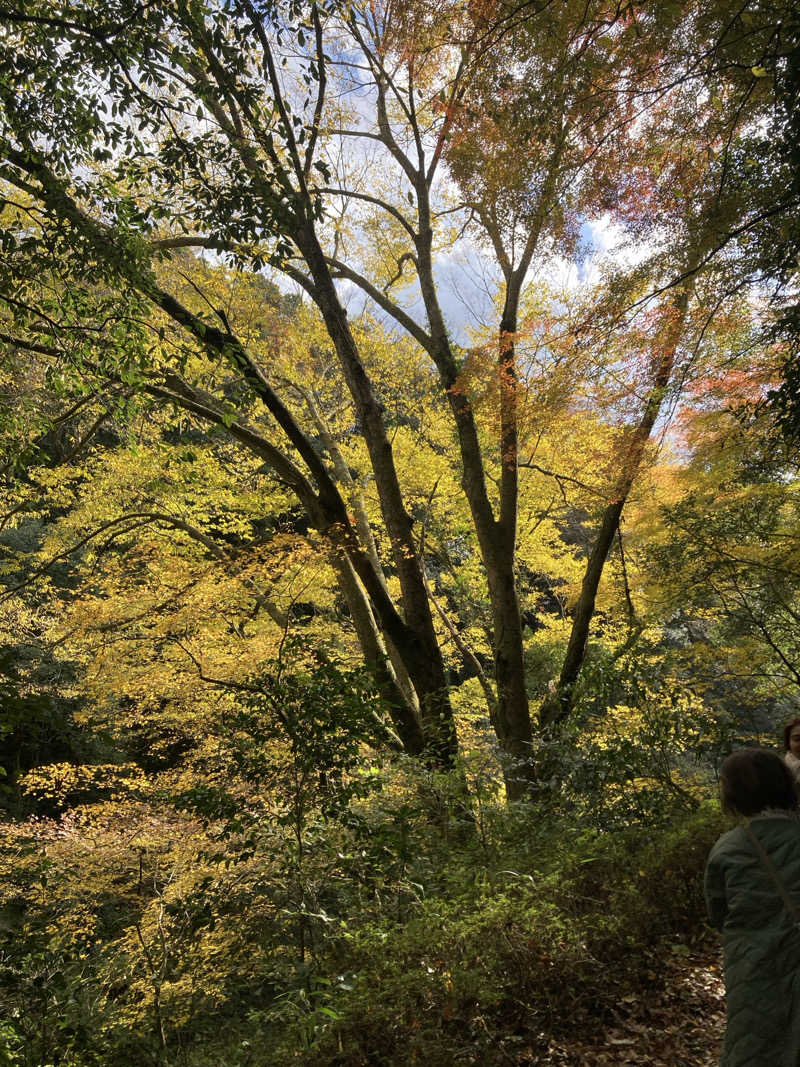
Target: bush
[(300, 900), (520, 954)]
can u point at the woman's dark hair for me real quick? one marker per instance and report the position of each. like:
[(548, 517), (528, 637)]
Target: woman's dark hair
[(787, 731), (753, 779)]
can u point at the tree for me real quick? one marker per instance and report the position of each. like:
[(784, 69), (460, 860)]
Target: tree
[(223, 128), (722, 551)]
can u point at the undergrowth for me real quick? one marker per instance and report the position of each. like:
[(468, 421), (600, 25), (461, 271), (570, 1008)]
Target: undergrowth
[(253, 911)]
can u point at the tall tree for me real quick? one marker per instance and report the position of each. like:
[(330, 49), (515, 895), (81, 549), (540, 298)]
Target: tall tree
[(256, 130)]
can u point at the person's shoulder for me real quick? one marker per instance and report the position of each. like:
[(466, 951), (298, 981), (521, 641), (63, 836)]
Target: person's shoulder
[(777, 825), (730, 841)]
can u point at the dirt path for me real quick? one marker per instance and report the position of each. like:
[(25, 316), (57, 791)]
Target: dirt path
[(681, 1025)]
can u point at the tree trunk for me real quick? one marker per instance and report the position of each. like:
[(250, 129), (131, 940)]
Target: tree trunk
[(423, 658), (355, 499), (404, 717), (513, 711), (558, 705), (496, 537)]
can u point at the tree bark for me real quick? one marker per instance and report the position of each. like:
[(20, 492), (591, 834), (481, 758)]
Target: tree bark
[(356, 502), (404, 717), (424, 662), (513, 711), (496, 537)]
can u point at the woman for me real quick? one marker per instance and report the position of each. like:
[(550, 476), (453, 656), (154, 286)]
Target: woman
[(791, 748), (752, 888)]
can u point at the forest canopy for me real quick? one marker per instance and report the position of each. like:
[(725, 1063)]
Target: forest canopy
[(398, 431)]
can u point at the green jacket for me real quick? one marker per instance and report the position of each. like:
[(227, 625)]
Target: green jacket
[(760, 940)]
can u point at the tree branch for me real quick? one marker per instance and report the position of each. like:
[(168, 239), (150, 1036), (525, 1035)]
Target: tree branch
[(352, 195), (322, 79), (382, 300)]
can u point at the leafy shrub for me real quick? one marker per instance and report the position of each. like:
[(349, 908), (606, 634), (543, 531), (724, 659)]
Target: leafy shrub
[(284, 895), (518, 953)]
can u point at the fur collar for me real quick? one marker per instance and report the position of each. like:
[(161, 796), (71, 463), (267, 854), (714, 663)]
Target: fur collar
[(775, 813)]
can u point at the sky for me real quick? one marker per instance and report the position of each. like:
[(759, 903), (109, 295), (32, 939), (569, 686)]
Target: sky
[(467, 279)]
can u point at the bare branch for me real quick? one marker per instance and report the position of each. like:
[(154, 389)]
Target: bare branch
[(352, 195), (342, 270), (322, 79), (530, 465)]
